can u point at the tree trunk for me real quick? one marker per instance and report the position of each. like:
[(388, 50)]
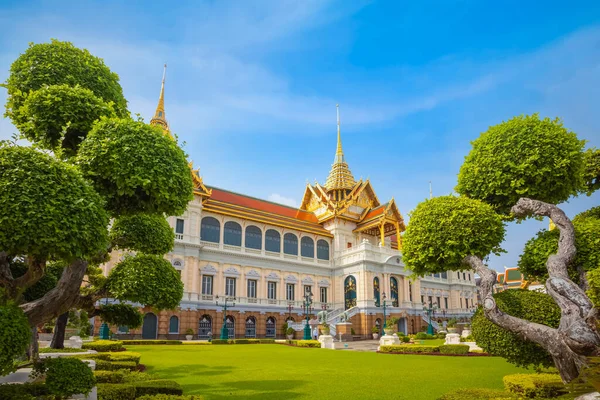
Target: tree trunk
[(33, 351), (577, 336), (58, 339)]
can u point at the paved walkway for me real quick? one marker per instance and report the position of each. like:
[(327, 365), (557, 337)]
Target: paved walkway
[(361, 345)]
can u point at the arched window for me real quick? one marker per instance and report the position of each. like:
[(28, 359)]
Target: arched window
[(250, 327), (253, 237), (271, 328), (376, 291), (394, 290), (349, 292), (273, 241), (232, 234), (210, 230), (307, 247), (150, 326), (230, 325), (173, 324), (204, 327), (322, 250), (290, 244)]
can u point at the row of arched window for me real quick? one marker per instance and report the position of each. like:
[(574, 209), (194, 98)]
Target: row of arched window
[(205, 326), (210, 231)]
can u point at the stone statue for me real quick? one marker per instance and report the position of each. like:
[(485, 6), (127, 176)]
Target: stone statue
[(344, 317), (322, 316)]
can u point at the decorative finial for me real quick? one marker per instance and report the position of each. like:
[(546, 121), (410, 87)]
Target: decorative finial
[(340, 176), (160, 118), (430, 191)]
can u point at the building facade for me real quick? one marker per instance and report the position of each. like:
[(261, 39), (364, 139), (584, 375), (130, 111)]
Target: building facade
[(342, 245)]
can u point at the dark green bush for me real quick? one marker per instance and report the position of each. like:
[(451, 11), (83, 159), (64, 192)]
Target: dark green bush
[(424, 336), (112, 391), (162, 386), (454, 349), (103, 345), (409, 349), (14, 336), (222, 341), (405, 339), (65, 350), (25, 391), (535, 385), (68, 376), (267, 341), (441, 335), (147, 342), (477, 394), (170, 397), (102, 365), (241, 341), (110, 376)]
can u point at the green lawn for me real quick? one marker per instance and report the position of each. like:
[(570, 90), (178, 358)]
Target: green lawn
[(274, 371)]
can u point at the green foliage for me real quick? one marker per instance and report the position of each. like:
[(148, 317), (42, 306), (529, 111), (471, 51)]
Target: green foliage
[(47, 207), (110, 376), (102, 365), (146, 233), (145, 342), (592, 170), (523, 157), (112, 356), (136, 167), (535, 385), (247, 341), (405, 339), (25, 391), (171, 397), (121, 315), (14, 336), (60, 116), (593, 278), (111, 391), (532, 262), (146, 279), (424, 336), (59, 63), (529, 305), (45, 350), (411, 348), (308, 343), (160, 386), (103, 345), (593, 212), (477, 394), (454, 349), (68, 376), (470, 228)]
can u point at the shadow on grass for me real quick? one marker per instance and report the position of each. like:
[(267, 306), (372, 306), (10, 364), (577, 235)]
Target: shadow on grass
[(267, 389), (180, 371)]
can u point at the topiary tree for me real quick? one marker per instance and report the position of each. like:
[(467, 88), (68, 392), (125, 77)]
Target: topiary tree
[(57, 205), (14, 336), (519, 168), (66, 376)]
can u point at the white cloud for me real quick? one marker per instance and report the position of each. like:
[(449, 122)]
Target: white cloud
[(277, 198)]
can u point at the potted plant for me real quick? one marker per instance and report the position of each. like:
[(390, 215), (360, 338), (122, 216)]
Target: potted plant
[(390, 325), (451, 325), (189, 334), (289, 332), (375, 332), (325, 329)]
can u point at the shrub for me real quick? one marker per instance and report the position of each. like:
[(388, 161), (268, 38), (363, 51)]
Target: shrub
[(535, 385), (146, 342), (102, 365), (476, 394), (65, 350), (110, 376), (289, 331), (469, 338), (222, 341), (441, 335), (103, 345), (267, 341), (454, 349), (241, 341), (424, 336), (14, 336), (308, 343), (25, 391), (112, 391), (68, 376), (409, 349), (170, 397), (161, 386), (405, 339), (120, 356)]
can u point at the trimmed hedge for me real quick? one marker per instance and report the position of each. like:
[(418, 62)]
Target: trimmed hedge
[(45, 350), (308, 343), (535, 385), (25, 391), (424, 336), (147, 342), (454, 349), (409, 349), (170, 397), (102, 365), (477, 394), (125, 391), (68, 376), (112, 391), (405, 339), (110, 376), (103, 345), (113, 357), (243, 341)]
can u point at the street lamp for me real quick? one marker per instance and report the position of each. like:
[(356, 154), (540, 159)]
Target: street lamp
[(308, 296), (104, 330), (430, 310), (224, 331), (384, 304), (290, 308)]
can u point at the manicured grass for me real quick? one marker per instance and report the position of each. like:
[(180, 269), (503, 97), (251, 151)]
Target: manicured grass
[(274, 371)]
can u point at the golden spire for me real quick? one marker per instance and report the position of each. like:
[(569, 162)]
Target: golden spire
[(159, 116), (340, 176)]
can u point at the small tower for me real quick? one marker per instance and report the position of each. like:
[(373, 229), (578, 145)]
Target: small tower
[(159, 118), (340, 178)]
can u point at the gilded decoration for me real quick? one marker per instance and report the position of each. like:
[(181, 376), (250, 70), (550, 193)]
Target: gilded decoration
[(350, 292)]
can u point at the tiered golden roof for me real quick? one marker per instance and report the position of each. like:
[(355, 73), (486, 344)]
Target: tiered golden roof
[(340, 177), (160, 118)]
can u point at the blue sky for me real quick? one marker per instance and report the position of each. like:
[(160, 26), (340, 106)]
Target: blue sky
[(252, 86)]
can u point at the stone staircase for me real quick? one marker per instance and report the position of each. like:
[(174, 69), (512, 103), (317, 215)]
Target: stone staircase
[(334, 317), (435, 325)]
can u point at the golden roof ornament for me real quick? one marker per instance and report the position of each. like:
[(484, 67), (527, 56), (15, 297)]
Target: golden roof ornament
[(159, 118), (340, 176)]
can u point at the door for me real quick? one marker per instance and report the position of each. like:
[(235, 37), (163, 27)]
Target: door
[(250, 327), (149, 326), (402, 326), (204, 327), (230, 324), (270, 332)]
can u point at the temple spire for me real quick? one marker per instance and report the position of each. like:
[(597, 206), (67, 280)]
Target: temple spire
[(340, 176), (159, 115)]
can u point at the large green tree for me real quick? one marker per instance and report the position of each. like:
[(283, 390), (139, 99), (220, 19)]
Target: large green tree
[(518, 169), (90, 163)]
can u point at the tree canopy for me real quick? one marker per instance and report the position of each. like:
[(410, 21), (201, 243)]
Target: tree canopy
[(147, 233)]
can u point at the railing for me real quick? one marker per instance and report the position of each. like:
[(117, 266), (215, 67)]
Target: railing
[(435, 325), (336, 317), (179, 236)]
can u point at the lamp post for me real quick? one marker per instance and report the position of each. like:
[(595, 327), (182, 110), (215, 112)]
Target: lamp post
[(430, 310), (308, 296), (104, 331), (224, 305), (290, 308), (384, 304)]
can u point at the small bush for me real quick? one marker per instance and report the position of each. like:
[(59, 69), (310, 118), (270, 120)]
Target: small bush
[(111, 391), (477, 394), (242, 341), (65, 350), (102, 365), (454, 349), (441, 335), (424, 336), (148, 342), (409, 349), (222, 341), (103, 345), (535, 385), (68, 376), (161, 386), (110, 376), (170, 397), (118, 356), (405, 339), (308, 343), (267, 341), (25, 391)]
